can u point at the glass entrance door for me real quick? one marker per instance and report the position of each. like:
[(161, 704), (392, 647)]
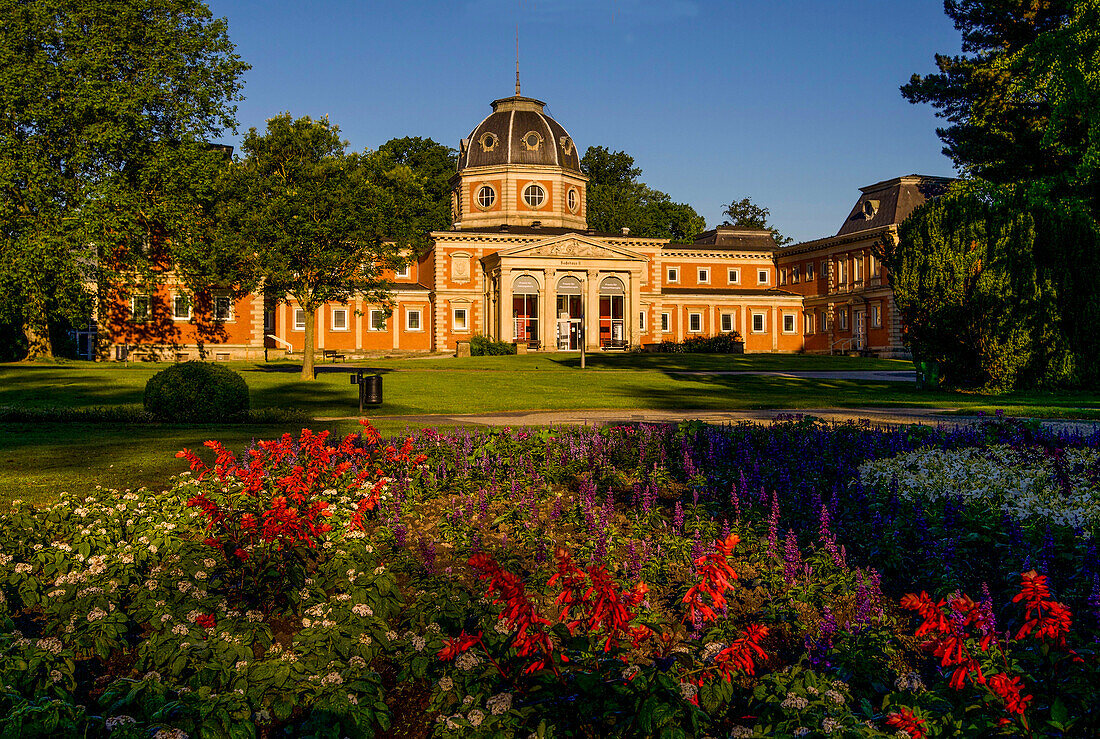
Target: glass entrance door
[(612, 304), (569, 322), (860, 324)]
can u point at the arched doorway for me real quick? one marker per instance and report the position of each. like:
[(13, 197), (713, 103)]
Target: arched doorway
[(612, 305), (525, 310), (569, 309)]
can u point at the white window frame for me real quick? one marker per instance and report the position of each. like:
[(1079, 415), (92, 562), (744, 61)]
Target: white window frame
[(641, 321), (824, 272), (464, 326), (228, 318), (696, 320), (477, 197), (762, 320), (857, 269), (704, 275), (332, 319), (782, 276), (876, 315), (409, 313), (175, 313), (795, 274), (808, 323), (147, 314), (726, 322), (403, 272), (532, 188), (672, 274), (789, 320), (666, 323), (299, 325), (843, 314), (761, 277), (379, 325), (733, 275), (809, 270)]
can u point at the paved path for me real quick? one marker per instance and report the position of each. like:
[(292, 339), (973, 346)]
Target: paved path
[(601, 417), (870, 375)]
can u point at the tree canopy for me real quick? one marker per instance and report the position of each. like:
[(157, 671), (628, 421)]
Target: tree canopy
[(747, 214), (416, 174), (1022, 100), (618, 199), (104, 109), (319, 228)]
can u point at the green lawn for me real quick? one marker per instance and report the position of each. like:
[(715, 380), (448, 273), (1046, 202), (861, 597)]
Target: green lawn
[(37, 460)]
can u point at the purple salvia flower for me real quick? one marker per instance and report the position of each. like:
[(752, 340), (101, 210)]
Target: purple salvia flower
[(792, 560), (985, 607), (735, 499), (773, 527), (678, 517), (697, 545)]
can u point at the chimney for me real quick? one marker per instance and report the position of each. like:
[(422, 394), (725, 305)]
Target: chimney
[(626, 231), (536, 224)]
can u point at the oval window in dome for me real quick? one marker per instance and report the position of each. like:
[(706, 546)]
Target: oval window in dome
[(572, 199), (486, 196), (532, 140), (488, 141), (534, 195)]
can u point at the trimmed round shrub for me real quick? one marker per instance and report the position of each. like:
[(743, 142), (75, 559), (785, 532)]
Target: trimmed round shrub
[(196, 392)]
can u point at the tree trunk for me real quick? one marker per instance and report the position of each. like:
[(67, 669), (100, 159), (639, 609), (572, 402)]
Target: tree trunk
[(307, 350), (36, 328)]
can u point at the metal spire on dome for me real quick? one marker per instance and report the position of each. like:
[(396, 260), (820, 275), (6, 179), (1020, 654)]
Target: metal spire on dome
[(517, 58)]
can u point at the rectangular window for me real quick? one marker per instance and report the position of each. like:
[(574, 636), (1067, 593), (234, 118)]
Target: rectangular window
[(377, 319), (401, 273), (876, 316), (695, 322), (843, 315), (809, 271), (673, 274), (181, 307), (842, 272), (733, 276), (783, 277), (762, 277), (824, 269), (412, 320), (666, 322), (857, 269), (139, 308), (299, 319), (460, 322), (339, 319), (826, 322), (809, 323), (788, 323), (727, 322), (794, 275), (758, 323), (641, 320), (704, 275), (223, 308)]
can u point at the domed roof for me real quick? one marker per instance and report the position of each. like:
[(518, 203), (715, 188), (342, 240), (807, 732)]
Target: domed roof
[(518, 131)]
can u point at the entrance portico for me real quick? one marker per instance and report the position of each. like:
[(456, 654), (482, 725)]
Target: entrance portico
[(541, 293)]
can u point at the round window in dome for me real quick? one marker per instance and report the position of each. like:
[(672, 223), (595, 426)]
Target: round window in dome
[(534, 195), (488, 141), (572, 199), (486, 196), (532, 140)]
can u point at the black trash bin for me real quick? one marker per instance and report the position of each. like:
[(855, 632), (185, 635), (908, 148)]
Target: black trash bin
[(370, 388)]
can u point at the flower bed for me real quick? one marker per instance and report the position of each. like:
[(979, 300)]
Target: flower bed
[(652, 580)]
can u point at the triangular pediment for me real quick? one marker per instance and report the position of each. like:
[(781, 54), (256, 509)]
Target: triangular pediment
[(573, 246)]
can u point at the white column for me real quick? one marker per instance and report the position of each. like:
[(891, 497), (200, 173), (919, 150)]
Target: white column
[(634, 335), (507, 325), (592, 311), (548, 319)]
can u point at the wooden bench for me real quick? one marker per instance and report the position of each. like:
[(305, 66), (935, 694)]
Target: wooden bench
[(332, 354)]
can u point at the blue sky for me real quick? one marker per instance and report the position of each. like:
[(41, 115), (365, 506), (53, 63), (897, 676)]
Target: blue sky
[(793, 103)]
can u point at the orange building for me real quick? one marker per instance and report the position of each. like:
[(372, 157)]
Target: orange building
[(520, 264)]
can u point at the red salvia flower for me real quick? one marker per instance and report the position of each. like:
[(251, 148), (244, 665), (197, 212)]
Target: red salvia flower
[(905, 720), (456, 646), (1010, 690)]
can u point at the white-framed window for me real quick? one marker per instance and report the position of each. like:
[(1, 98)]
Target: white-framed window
[(412, 319), (223, 308), (572, 199), (139, 308), (181, 307), (339, 319), (809, 271), (402, 273), (857, 269), (704, 275), (460, 319), (843, 316), (666, 322), (486, 196), (534, 195), (788, 323), (299, 319), (673, 274), (761, 277), (826, 322), (733, 275), (824, 268), (641, 320), (794, 275), (758, 324), (876, 315), (727, 322), (842, 271), (809, 321), (695, 322), (377, 319), (783, 276)]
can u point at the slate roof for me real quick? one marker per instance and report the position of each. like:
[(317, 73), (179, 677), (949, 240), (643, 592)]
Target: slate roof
[(731, 238), (500, 138), (891, 201)]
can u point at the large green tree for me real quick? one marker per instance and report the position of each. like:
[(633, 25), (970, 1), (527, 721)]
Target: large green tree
[(1022, 100), (320, 229), (104, 108), (416, 174), (618, 199), (747, 214)]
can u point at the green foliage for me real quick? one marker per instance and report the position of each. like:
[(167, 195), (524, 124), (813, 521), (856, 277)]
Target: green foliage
[(196, 392), (105, 106), (747, 214), (483, 346), (728, 343), (617, 199), (995, 291)]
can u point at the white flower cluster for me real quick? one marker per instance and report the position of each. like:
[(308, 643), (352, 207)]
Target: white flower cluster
[(499, 703), (1022, 483), (794, 701)]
